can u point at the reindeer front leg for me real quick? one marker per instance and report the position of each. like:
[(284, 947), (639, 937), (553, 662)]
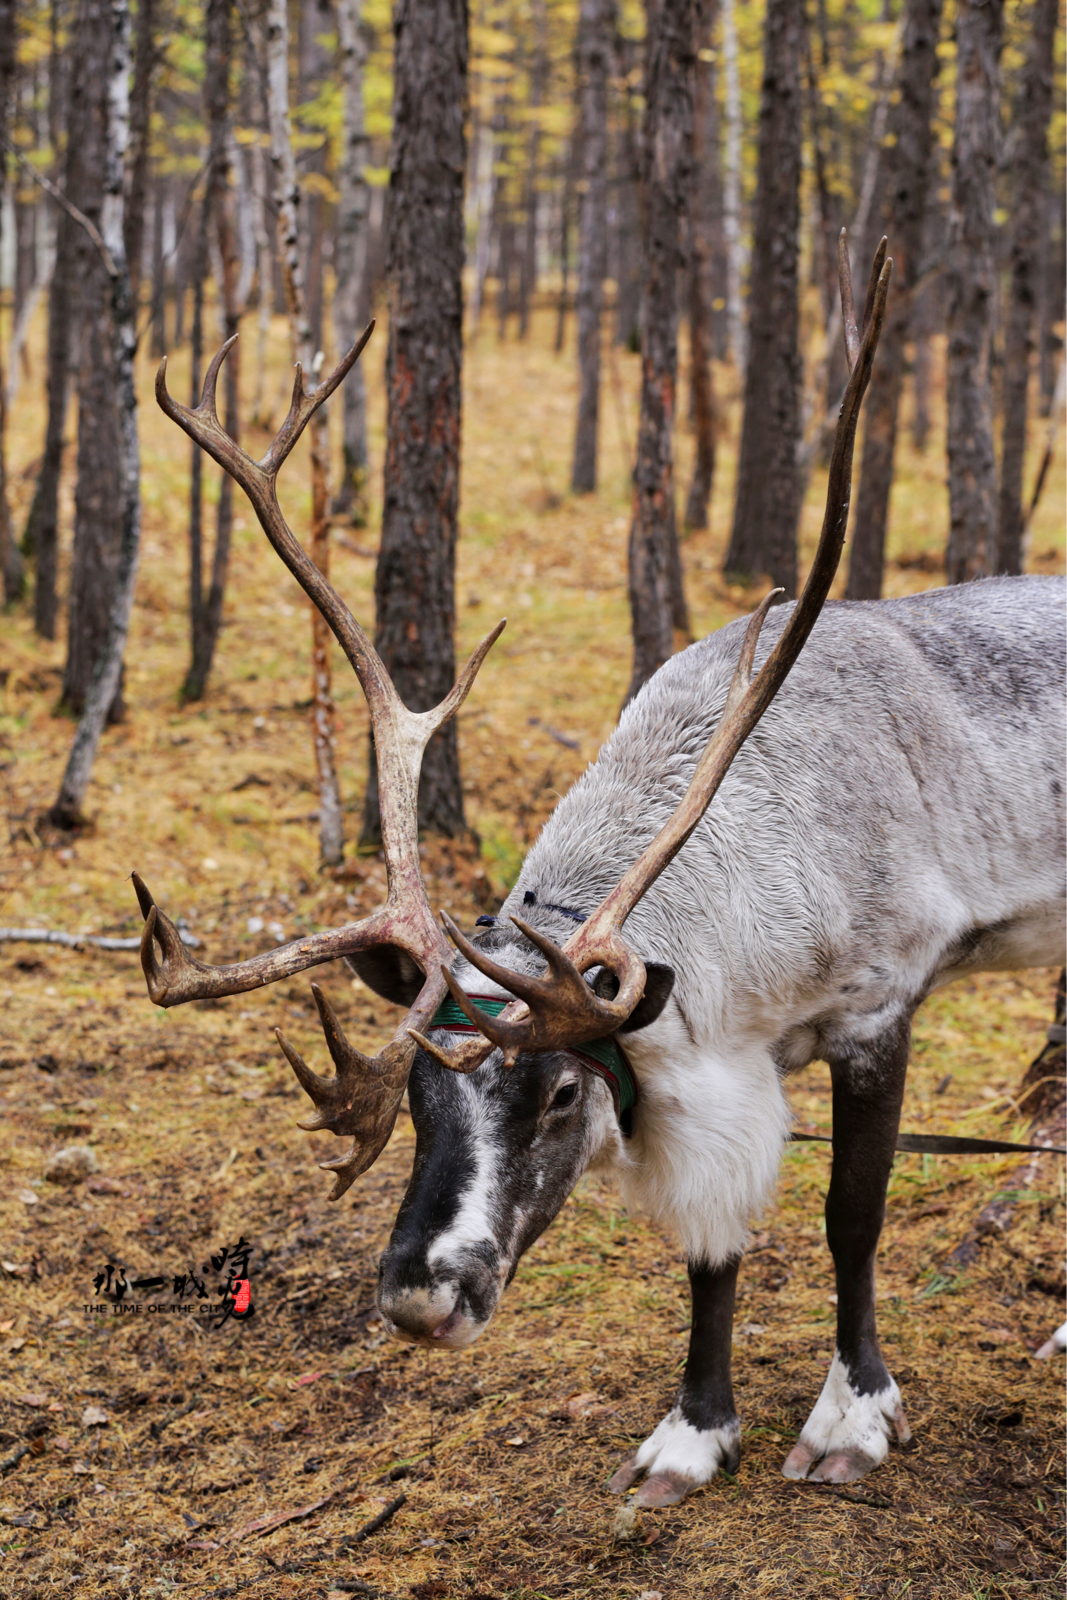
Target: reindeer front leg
[(849, 1429), (702, 1431)]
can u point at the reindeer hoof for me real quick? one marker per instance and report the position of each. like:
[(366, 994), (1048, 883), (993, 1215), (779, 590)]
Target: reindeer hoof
[(624, 1475), (844, 1466), (663, 1489), (797, 1463)]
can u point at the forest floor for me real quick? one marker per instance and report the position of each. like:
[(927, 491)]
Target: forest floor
[(169, 1455)]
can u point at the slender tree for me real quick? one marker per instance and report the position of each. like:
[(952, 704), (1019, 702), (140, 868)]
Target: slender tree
[(287, 196), (596, 24), (97, 503), (731, 191), (972, 478), (11, 566), (351, 305), (415, 581), (69, 100), (705, 140), (1029, 212), (205, 611), (767, 507), (903, 183), (656, 601), (107, 672), (140, 122)]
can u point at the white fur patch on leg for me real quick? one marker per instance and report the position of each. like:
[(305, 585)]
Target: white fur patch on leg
[(677, 1458), (847, 1433), (1051, 1346)]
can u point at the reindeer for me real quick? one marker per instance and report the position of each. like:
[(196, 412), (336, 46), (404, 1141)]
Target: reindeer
[(889, 817)]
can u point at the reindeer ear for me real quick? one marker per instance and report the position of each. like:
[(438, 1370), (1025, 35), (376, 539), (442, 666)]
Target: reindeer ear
[(659, 981), (389, 972)]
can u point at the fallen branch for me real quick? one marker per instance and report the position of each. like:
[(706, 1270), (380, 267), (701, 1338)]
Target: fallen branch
[(77, 941), (375, 1523), (14, 1458)]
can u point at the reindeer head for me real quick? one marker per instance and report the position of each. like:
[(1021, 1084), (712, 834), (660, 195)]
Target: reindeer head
[(505, 1132)]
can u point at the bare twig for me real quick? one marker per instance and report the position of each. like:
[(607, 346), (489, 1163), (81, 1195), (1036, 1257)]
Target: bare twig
[(68, 206)]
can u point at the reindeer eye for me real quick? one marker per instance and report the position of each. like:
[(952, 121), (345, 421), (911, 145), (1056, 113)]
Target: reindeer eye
[(565, 1095)]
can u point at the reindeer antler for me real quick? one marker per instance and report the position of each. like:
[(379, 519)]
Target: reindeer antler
[(560, 1009), (363, 1098)]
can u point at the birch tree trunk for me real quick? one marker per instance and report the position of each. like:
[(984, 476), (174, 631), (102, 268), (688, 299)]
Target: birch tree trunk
[(972, 475), (768, 487), (903, 182), (97, 513), (1029, 208), (67, 810), (654, 567), (350, 305), (596, 24), (415, 581), (206, 611), (287, 194)]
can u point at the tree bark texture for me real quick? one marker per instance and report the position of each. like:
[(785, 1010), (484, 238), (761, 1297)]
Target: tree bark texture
[(103, 688), (731, 189), (219, 206), (656, 600), (97, 502), (903, 184), (1029, 189), (972, 477), (596, 25), (415, 580), (705, 135), (11, 566), (287, 196), (767, 507), (351, 302)]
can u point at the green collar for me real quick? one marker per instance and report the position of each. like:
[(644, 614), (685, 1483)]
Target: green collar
[(603, 1056)]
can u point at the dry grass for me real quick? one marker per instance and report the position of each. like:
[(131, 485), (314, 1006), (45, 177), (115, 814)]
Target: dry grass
[(191, 1115)]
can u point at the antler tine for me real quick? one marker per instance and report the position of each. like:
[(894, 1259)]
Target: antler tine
[(848, 306), (872, 282), (303, 405), (465, 682), (211, 378), (599, 942)]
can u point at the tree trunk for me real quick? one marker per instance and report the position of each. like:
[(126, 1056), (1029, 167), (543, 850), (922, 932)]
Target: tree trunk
[(656, 599), (287, 193), (699, 285), (768, 499), (206, 616), (1029, 207), (350, 304), (528, 269), (565, 244), (972, 286), (11, 566), (731, 195), (104, 687), (596, 24), (157, 315), (97, 505), (415, 581), (903, 182), (628, 230), (41, 537), (140, 122)]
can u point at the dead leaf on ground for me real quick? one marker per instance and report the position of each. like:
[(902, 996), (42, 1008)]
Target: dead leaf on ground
[(267, 1524)]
